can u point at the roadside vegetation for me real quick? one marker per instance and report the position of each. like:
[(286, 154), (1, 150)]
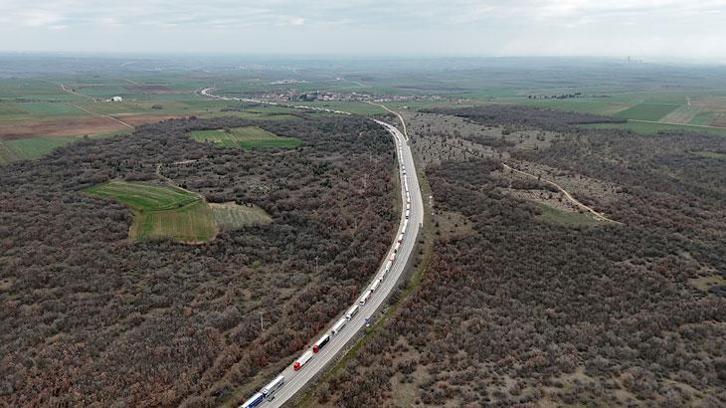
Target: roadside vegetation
[(525, 306)]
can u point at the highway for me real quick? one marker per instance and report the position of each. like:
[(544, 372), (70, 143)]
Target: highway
[(296, 380)]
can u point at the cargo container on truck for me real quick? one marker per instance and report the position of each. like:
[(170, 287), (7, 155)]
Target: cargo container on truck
[(300, 362), (375, 285), (364, 297), (254, 401), (352, 312), (321, 343), (273, 386), (337, 327)]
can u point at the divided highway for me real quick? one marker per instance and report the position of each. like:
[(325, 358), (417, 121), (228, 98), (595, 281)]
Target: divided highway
[(344, 328)]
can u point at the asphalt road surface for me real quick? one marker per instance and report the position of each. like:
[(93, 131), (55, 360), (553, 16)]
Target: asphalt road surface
[(296, 380)]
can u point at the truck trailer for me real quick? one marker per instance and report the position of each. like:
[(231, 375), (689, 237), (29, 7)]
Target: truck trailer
[(300, 362), (321, 343), (337, 327), (254, 401), (273, 386), (364, 297), (375, 285), (352, 311)]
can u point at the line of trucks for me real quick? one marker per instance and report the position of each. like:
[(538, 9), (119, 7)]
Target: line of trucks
[(267, 392)]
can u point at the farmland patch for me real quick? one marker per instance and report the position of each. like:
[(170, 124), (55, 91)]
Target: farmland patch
[(647, 111), (247, 137), (161, 211), (230, 216)]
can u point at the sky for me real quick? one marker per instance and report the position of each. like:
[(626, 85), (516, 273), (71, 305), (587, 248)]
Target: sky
[(682, 29)]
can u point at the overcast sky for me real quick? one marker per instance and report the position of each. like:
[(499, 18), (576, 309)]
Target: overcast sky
[(690, 29)]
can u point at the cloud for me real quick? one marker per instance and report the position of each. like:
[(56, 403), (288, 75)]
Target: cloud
[(490, 27), (37, 18)]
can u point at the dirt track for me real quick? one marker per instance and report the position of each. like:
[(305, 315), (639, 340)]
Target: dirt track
[(597, 215)]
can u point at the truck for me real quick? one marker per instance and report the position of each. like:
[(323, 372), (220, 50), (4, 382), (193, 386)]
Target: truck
[(321, 343), (397, 247), (392, 257), (364, 297), (400, 238), (254, 401), (408, 213), (273, 386), (352, 311), (300, 362), (375, 285), (337, 327)]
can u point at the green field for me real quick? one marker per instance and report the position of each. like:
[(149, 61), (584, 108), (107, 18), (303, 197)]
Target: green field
[(248, 137), (161, 211), (144, 197), (191, 223), (650, 128), (230, 216), (32, 148), (647, 111)]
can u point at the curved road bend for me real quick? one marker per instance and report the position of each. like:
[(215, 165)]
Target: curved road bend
[(296, 380)]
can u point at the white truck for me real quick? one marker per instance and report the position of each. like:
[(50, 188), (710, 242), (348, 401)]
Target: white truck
[(375, 284), (300, 362), (352, 311), (337, 327), (273, 386), (364, 297)]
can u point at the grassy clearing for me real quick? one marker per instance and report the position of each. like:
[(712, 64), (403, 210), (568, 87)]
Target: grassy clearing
[(248, 137), (161, 211), (647, 111), (230, 216), (191, 223), (144, 197), (565, 218), (707, 282)]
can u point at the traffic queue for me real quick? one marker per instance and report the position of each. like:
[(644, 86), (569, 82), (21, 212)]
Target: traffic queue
[(267, 393)]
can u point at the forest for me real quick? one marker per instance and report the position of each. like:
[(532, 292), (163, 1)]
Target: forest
[(516, 311), (90, 318)]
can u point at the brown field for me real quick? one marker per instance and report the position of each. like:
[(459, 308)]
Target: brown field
[(89, 125)]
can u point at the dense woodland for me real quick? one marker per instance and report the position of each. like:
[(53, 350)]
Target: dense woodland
[(515, 311), (88, 318)]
